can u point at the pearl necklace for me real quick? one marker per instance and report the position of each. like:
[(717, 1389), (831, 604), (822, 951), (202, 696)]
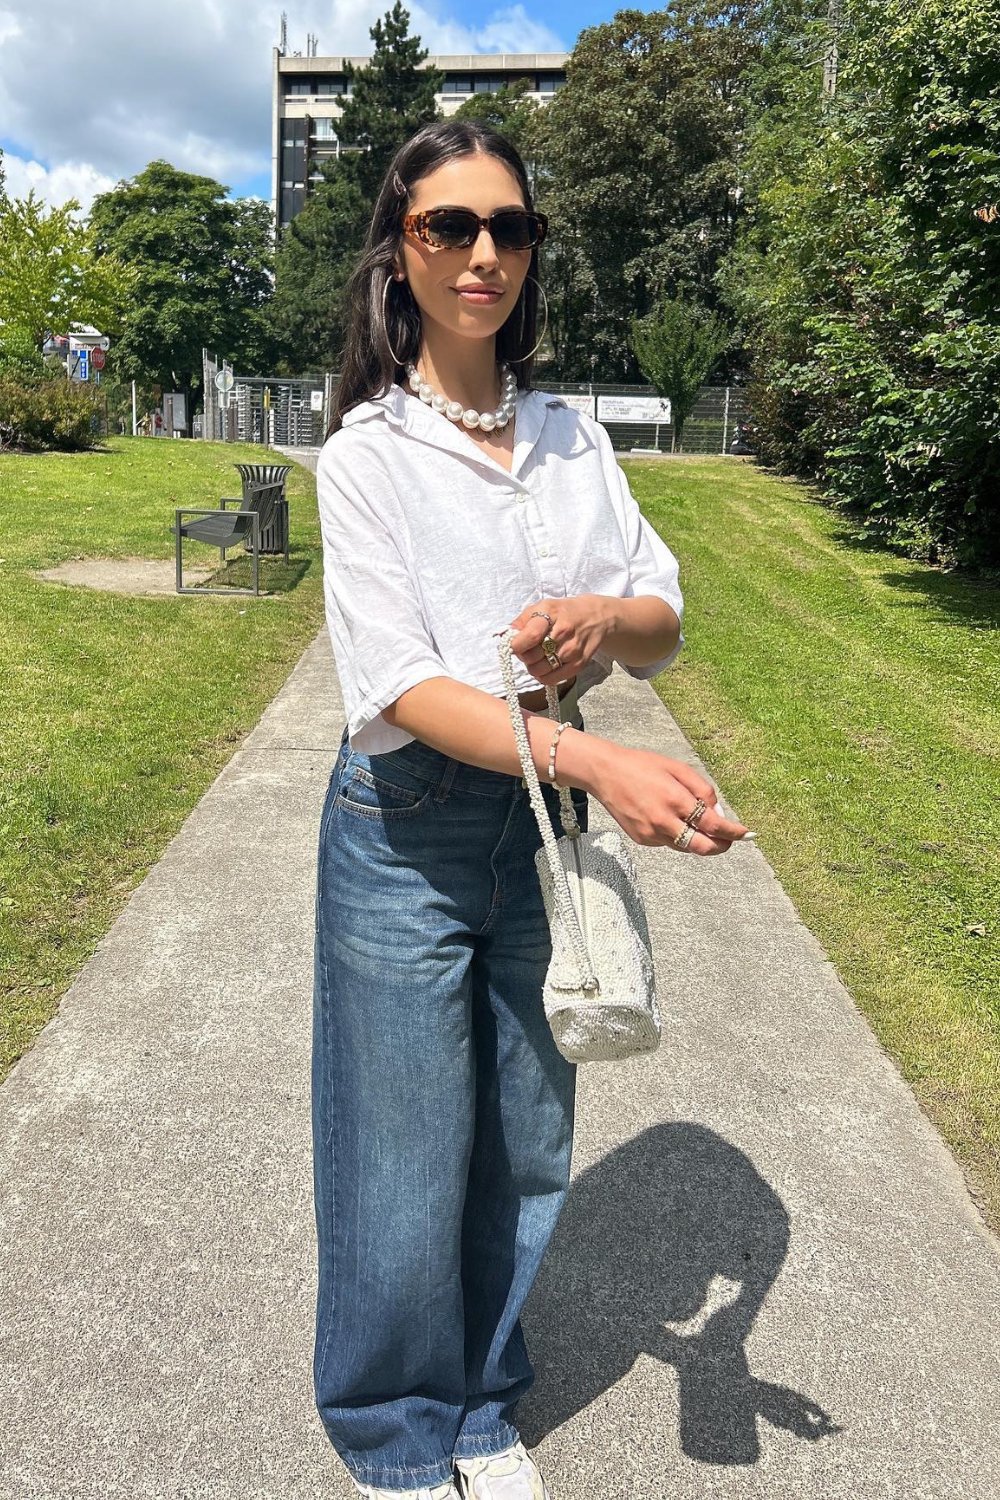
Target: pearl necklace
[(486, 421)]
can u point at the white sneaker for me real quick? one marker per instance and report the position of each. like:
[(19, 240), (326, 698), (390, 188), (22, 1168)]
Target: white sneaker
[(444, 1491), (510, 1475)]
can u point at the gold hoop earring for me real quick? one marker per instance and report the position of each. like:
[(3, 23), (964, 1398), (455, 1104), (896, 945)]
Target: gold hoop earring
[(545, 324), (385, 318)]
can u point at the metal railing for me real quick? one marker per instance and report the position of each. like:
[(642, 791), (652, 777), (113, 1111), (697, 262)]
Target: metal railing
[(710, 428), (283, 412)]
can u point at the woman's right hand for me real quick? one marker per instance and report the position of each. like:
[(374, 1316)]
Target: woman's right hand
[(649, 796)]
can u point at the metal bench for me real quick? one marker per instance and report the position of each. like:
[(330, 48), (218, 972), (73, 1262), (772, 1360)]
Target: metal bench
[(224, 528)]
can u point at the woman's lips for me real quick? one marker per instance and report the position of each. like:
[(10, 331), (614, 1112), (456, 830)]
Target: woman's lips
[(478, 296)]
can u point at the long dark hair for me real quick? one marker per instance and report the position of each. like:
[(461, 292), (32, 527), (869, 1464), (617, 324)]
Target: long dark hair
[(367, 368)]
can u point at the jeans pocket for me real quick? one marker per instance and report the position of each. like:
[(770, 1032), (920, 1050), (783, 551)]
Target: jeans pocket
[(367, 795)]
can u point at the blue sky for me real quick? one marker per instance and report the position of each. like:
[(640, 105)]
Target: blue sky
[(91, 93)]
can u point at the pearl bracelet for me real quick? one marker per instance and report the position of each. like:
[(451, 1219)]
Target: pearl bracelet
[(552, 750)]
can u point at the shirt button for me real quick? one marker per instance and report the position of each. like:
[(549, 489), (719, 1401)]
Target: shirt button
[(521, 499), (544, 551)]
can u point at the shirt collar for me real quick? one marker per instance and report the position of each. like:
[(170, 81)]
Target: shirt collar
[(409, 415)]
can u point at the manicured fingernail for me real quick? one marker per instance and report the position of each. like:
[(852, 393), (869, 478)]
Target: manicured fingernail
[(748, 835)]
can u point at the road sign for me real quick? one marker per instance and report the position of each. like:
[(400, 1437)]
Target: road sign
[(98, 358), (83, 365), (316, 400), (224, 382)]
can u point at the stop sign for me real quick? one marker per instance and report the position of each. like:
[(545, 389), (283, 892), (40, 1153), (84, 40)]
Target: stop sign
[(97, 358)]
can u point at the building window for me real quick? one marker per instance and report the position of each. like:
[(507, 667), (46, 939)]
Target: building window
[(460, 83), (323, 130), (549, 83), (292, 201), (331, 86), (300, 86), (293, 163)]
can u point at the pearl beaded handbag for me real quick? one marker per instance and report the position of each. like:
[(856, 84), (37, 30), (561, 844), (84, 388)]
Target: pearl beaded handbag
[(599, 993)]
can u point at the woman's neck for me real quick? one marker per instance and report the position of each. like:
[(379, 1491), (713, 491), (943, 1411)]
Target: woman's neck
[(461, 369)]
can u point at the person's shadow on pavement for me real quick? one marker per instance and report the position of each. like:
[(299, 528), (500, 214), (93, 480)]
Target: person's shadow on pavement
[(667, 1247)]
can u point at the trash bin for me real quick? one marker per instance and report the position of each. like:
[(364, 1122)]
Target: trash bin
[(274, 538)]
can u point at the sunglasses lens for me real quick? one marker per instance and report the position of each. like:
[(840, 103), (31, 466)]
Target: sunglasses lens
[(514, 230), (451, 228)]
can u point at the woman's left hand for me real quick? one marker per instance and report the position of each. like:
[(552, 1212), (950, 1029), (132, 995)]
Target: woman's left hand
[(579, 627)]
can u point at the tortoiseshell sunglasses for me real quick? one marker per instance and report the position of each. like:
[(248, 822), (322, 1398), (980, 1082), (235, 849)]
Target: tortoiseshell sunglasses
[(457, 228)]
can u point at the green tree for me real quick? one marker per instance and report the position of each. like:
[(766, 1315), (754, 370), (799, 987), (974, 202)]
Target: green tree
[(639, 151), (315, 257), (392, 98), (202, 274), (676, 347), (50, 275), (509, 110), (867, 279)]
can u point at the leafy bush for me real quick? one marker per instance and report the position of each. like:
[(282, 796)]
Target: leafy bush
[(677, 345), (19, 353), (867, 278), (38, 413)]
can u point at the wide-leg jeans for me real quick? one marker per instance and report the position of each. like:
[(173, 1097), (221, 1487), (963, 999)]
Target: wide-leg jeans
[(442, 1111)]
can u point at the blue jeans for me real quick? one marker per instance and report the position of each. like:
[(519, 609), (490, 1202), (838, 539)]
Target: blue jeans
[(442, 1110)]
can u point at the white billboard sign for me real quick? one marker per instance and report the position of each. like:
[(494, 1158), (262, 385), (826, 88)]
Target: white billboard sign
[(175, 406), (633, 409)]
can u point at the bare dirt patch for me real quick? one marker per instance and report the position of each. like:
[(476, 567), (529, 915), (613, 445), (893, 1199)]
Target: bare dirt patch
[(124, 575)]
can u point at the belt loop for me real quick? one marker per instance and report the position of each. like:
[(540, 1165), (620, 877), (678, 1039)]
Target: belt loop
[(447, 777)]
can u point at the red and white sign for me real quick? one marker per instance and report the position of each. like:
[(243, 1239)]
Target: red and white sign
[(97, 358)]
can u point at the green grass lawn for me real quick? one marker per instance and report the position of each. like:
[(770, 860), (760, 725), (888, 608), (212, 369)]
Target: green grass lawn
[(847, 700), (118, 712)]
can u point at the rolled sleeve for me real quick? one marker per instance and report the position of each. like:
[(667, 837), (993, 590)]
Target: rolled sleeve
[(381, 641), (653, 569)]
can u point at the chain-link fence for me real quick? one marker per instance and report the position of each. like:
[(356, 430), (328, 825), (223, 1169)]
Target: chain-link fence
[(636, 418), (294, 413)]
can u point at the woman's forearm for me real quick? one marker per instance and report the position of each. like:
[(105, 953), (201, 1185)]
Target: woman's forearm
[(474, 726), (643, 630)]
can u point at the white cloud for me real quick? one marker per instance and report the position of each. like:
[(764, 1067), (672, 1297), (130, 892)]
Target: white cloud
[(71, 179), (509, 29), (95, 92)]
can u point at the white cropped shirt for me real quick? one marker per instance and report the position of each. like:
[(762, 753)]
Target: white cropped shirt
[(430, 545)]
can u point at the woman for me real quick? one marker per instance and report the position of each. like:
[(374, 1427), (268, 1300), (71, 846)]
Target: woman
[(442, 1109)]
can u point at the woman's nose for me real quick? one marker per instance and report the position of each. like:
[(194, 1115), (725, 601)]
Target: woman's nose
[(484, 252)]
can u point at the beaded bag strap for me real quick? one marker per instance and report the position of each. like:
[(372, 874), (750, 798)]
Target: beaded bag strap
[(560, 880)]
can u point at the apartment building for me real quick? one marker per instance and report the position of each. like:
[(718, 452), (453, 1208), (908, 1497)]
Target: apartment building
[(306, 102)]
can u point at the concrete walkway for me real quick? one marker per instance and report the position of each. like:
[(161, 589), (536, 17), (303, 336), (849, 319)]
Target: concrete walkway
[(768, 1280)]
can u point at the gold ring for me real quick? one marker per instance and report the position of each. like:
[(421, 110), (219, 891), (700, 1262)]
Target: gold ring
[(695, 813)]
